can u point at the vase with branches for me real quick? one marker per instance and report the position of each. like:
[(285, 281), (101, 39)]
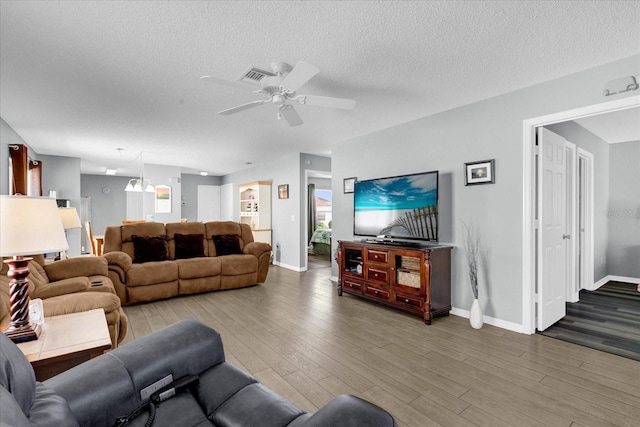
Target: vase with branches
[(472, 253)]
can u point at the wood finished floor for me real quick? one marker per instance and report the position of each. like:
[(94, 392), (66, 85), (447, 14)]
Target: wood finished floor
[(296, 336)]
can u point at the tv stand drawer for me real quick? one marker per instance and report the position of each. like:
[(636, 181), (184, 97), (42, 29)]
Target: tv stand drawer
[(378, 293), (375, 275), (378, 256)]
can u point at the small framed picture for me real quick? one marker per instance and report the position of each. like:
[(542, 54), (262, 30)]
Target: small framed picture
[(163, 199), (482, 172), (349, 184), (283, 191)]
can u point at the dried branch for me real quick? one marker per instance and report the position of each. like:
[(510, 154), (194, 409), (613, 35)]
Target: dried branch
[(472, 252)]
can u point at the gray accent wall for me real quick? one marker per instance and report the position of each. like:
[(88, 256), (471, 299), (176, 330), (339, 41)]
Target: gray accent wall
[(488, 129), (61, 174), (108, 202), (623, 214)]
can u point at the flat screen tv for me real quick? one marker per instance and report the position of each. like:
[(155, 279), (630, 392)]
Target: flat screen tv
[(400, 207)]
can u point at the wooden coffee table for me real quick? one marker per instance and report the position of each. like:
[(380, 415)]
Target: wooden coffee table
[(67, 341)]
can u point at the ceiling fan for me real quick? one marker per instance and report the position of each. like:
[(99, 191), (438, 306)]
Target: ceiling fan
[(280, 86)]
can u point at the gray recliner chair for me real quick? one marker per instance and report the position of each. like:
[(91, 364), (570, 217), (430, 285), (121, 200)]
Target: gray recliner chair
[(102, 390)]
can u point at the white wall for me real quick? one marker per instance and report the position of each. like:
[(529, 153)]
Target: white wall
[(490, 129)]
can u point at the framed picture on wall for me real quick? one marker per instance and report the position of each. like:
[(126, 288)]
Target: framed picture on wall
[(283, 191), (163, 199), (482, 172), (349, 184)]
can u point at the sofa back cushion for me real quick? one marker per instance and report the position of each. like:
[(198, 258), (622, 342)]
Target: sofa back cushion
[(224, 228), (144, 229), (153, 248), (186, 240), (227, 244)]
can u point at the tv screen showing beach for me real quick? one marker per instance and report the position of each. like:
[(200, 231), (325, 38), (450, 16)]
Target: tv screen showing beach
[(402, 207)]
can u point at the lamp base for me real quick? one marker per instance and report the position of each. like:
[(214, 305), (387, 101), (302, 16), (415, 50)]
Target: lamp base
[(26, 333)]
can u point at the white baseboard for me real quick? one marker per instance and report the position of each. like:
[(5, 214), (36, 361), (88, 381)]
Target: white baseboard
[(290, 267), (515, 327), (633, 280)]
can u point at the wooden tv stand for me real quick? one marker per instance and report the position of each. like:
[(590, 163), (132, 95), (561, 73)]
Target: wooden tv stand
[(413, 278)]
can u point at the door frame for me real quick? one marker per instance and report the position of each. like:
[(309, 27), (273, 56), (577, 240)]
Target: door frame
[(529, 194), (572, 294), (585, 277)]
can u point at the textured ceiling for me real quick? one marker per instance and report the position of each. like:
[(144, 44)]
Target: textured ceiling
[(82, 79)]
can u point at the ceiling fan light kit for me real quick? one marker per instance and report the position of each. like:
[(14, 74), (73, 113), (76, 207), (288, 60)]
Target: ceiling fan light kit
[(281, 87)]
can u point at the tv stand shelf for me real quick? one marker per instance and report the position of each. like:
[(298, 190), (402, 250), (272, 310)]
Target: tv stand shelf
[(413, 278)]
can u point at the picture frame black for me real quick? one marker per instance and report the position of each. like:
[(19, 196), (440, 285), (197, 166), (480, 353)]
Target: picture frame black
[(349, 185), (283, 191), (480, 172)]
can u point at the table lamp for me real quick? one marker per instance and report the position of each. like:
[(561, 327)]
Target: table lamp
[(70, 220), (28, 225)]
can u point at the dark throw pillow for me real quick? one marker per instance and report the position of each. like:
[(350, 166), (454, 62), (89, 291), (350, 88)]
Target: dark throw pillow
[(189, 245), (147, 249), (227, 244)]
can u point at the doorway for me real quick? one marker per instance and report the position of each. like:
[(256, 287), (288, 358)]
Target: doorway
[(318, 224), (530, 203)]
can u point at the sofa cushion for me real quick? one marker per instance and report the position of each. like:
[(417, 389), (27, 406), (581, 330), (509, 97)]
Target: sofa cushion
[(195, 268), (189, 245), (147, 249), (16, 374), (256, 405), (77, 266), (152, 273), (233, 265), (11, 414), (49, 409), (227, 244)]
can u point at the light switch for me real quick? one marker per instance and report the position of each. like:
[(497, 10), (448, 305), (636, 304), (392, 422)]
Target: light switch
[(293, 218)]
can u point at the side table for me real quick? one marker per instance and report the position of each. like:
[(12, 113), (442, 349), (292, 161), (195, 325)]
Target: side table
[(66, 341)]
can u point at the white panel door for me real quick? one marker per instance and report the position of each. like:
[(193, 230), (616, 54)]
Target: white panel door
[(208, 203), (227, 207), (552, 250)]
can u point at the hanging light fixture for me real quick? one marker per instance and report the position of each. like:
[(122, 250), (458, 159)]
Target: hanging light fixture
[(139, 184)]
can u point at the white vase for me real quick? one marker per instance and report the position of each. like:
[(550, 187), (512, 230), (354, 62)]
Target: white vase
[(475, 315)]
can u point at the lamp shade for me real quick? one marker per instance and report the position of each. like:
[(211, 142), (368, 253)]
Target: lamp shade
[(70, 218), (30, 225)]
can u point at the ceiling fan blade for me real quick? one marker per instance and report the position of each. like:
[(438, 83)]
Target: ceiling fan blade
[(219, 81), (243, 107), (301, 73), (326, 101), (290, 115)]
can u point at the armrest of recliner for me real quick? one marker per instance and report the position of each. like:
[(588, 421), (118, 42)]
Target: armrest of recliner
[(120, 263), (107, 387), (74, 267), (347, 410), (256, 248), (61, 287)]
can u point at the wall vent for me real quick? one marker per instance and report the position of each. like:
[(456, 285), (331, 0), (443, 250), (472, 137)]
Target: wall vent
[(253, 75)]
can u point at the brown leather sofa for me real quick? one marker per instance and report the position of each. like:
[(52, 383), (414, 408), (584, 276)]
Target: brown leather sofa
[(70, 286), (150, 261)]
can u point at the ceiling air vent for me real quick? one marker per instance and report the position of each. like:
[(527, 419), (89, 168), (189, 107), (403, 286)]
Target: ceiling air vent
[(253, 75)]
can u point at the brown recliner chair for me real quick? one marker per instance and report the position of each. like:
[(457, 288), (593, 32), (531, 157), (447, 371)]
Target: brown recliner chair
[(66, 287)]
